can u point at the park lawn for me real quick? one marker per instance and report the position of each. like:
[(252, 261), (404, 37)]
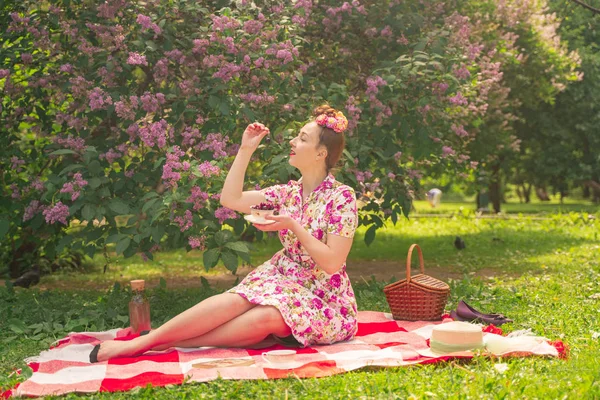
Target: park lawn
[(540, 208), (545, 276), (489, 242)]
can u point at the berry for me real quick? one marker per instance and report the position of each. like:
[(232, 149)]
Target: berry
[(263, 206)]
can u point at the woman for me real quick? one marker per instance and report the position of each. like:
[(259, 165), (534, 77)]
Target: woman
[(303, 294)]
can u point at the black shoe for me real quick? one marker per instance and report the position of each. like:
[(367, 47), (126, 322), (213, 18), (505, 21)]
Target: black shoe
[(465, 312), (94, 354)]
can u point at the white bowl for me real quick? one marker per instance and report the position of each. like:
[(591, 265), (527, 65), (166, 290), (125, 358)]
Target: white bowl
[(261, 213)]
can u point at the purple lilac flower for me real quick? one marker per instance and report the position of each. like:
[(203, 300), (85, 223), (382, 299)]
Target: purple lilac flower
[(33, 208), (224, 213), (447, 151), (216, 143), (75, 186), (16, 194), (252, 27), (185, 222), (258, 99), (458, 99), (67, 68), (459, 130), (197, 242), (136, 59), (26, 58), (147, 23), (207, 169), (59, 212), (16, 163), (155, 133), (99, 99)]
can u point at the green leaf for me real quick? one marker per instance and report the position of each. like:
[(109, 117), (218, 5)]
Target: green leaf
[(70, 168), (149, 204), (4, 226), (406, 206), (370, 234), (158, 162), (62, 152), (157, 233), (245, 257), (90, 251), (65, 240), (123, 245), (114, 238), (224, 108), (149, 195), (222, 237), (118, 206), (17, 326), (211, 257), (95, 182), (213, 102), (88, 212), (238, 246), (95, 168), (394, 217), (204, 282), (230, 260)]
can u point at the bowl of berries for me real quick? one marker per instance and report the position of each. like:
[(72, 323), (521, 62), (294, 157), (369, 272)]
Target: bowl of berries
[(261, 210)]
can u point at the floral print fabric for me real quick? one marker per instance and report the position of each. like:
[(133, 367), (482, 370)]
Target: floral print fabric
[(320, 308)]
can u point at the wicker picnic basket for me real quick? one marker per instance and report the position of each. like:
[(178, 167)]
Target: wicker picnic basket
[(417, 298)]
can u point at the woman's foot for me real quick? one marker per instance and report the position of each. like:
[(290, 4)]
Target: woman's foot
[(112, 349)]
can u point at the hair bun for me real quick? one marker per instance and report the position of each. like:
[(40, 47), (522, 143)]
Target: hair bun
[(324, 109)]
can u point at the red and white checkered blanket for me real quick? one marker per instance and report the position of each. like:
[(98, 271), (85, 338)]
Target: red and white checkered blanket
[(380, 341)]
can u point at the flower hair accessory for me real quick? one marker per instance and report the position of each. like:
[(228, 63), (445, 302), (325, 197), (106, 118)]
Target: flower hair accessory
[(338, 123)]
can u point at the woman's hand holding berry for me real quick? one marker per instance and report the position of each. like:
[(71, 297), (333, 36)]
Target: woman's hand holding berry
[(252, 136)]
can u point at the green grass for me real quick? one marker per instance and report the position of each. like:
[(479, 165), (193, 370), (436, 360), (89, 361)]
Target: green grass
[(541, 208), (546, 276)]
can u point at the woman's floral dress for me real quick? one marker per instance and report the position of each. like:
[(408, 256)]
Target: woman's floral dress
[(318, 307)]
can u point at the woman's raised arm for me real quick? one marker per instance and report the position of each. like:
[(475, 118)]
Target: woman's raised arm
[(232, 195)]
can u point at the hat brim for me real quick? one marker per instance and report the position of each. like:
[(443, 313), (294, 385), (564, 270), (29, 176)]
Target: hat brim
[(431, 354)]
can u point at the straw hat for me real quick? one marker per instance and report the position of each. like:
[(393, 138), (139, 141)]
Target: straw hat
[(454, 337)]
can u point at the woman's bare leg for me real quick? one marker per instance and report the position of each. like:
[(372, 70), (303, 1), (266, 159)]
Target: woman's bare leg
[(247, 329), (193, 322)]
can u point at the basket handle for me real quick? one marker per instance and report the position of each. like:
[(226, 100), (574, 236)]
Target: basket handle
[(409, 259)]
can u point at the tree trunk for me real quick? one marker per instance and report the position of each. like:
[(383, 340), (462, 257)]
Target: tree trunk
[(494, 188), (563, 194), (14, 266), (595, 188), (527, 192), (519, 191), (586, 192)]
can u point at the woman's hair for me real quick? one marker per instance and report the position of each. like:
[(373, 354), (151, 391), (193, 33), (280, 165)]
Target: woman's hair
[(334, 142)]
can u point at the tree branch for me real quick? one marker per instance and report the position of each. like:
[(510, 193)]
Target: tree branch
[(592, 9)]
